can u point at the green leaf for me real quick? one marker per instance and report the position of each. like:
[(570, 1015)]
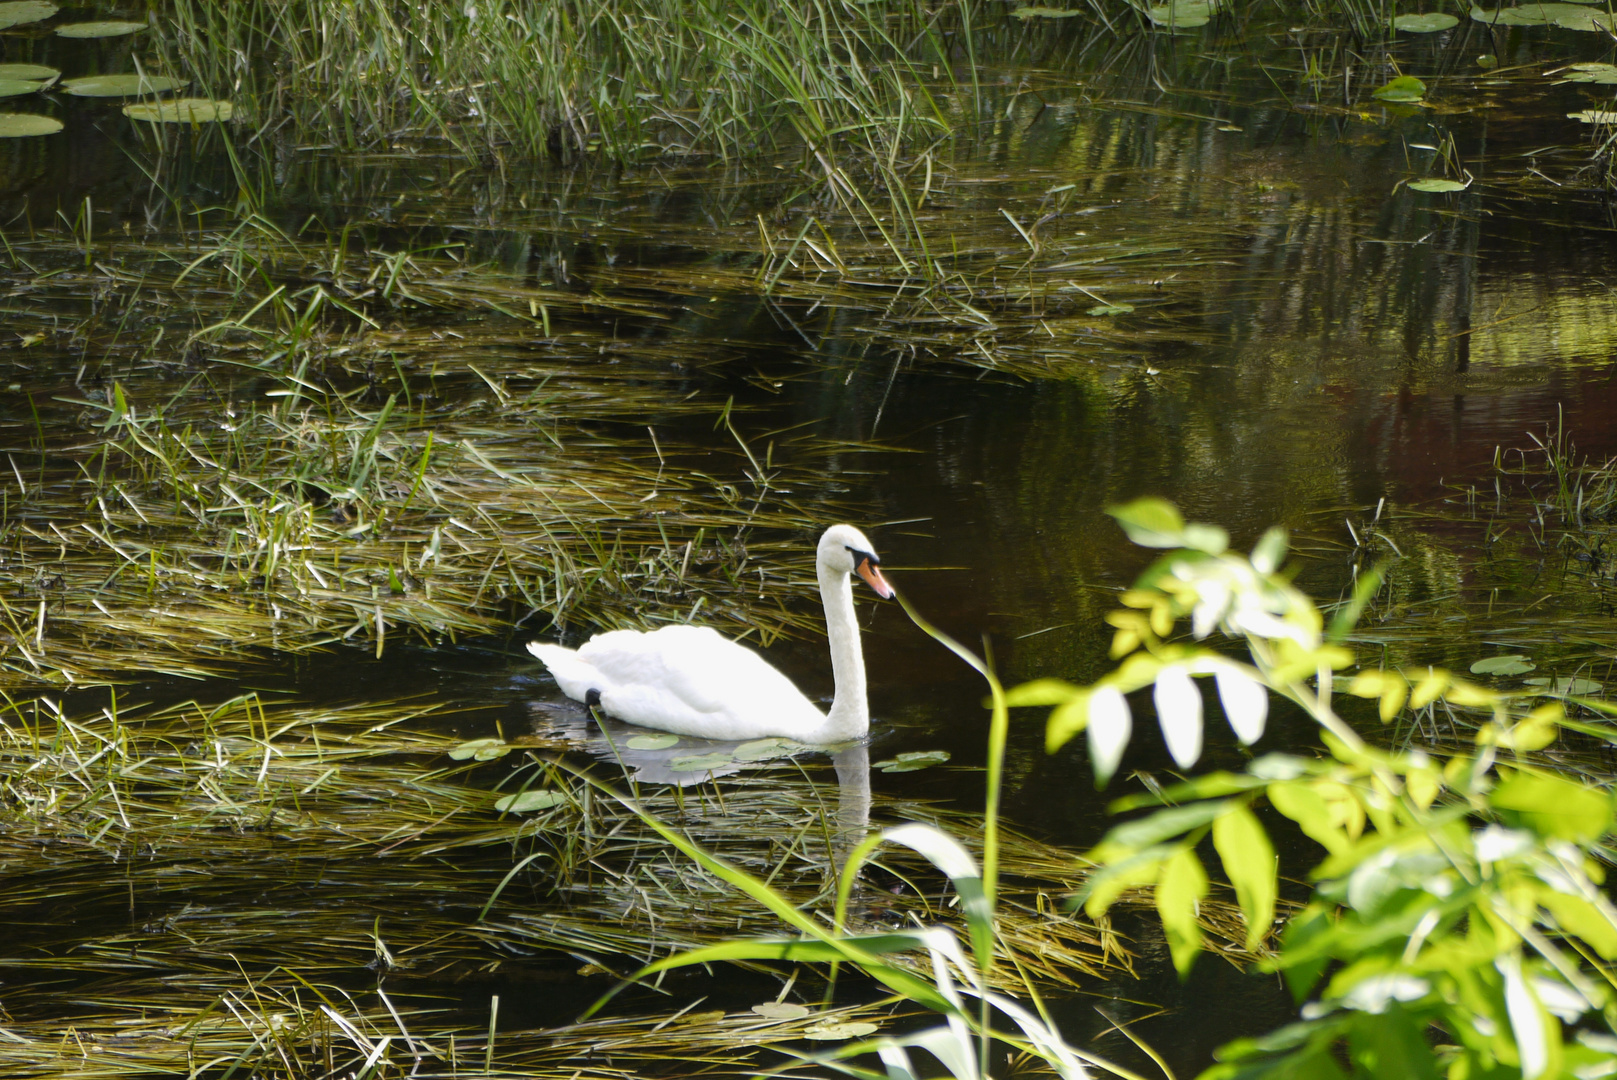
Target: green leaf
[(19, 12), (1433, 185), (1429, 23), (651, 742), (1503, 665), (1391, 1044), (1180, 889), (1215, 785), (1102, 888), (1249, 862), (1301, 963), (481, 749), (1403, 88), (107, 28), (1579, 918), (1299, 801), (1207, 538), (1066, 721), (120, 85), (1110, 309), (1155, 828), (913, 762), (701, 762), (1364, 590), (1552, 806), (767, 749), (949, 856), (1151, 522), (1041, 692), (529, 801), (26, 125), (1270, 552), (182, 111)]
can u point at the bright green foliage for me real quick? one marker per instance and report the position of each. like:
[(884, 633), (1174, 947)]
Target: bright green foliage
[(1458, 910)]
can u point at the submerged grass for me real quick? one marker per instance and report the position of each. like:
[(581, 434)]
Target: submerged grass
[(300, 890)]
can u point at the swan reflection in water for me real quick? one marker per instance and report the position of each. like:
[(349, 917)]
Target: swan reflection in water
[(654, 757)]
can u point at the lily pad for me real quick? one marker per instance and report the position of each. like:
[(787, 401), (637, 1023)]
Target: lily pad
[(1181, 14), (1536, 15), (22, 125), (1587, 21), (24, 11), (1566, 685), (1603, 74), (1111, 309), (1403, 88), (481, 750), (781, 1010), (182, 111), (1045, 13), (1487, 61), (855, 1029), (1434, 184), (1429, 23), (105, 29), (18, 87), (1503, 665), (701, 762), (764, 749), (652, 742), (1593, 116), (529, 801), (914, 761), (121, 85), (28, 72)]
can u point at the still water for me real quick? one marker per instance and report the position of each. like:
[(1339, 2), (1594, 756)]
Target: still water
[(1308, 340)]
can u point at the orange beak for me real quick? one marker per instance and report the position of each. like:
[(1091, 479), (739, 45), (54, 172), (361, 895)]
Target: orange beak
[(873, 578)]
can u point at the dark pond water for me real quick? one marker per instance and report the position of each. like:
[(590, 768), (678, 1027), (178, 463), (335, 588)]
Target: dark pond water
[(1324, 343)]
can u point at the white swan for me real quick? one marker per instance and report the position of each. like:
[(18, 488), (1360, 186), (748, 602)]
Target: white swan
[(692, 681)]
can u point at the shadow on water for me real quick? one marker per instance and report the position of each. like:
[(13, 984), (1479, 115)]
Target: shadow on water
[(1190, 271)]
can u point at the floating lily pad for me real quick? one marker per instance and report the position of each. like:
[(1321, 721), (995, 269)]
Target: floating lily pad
[(1566, 685), (1434, 184), (1593, 116), (28, 72), (1587, 21), (764, 749), (781, 1010), (22, 125), (911, 762), (1503, 665), (1403, 88), (104, 29), (701, 762), (1487, 61), (1429, 23), (1181, 14), (121, 85), (24, 11), (480, 749), (1045, 13), (529, 801), (1604, 74), (1537, 15), (652, 742), (18, 87), (856, 1029), (182, 111), (1111, 309)]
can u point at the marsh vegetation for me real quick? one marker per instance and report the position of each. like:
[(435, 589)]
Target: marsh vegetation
[(493, 321)]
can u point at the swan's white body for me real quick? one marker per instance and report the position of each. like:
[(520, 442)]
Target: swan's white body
[(690, 680)]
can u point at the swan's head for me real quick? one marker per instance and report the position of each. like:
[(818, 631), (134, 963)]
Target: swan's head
[(844, 550)]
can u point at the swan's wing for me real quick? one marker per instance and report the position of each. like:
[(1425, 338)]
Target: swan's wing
[(695, 665)]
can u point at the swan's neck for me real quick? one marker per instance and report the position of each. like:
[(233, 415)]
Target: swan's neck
[(849, 717)]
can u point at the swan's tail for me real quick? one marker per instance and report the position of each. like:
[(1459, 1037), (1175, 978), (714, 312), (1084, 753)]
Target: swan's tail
[(574, 676)]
